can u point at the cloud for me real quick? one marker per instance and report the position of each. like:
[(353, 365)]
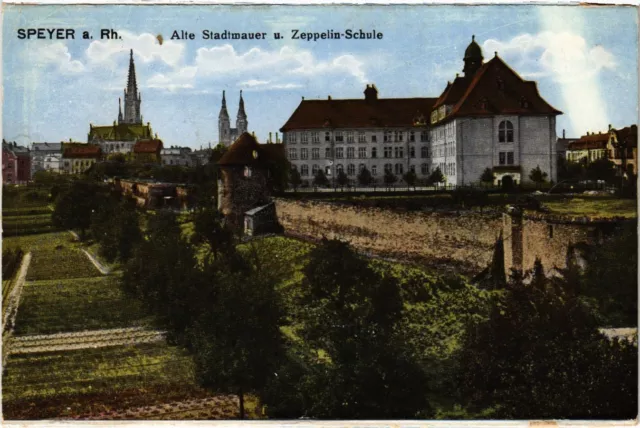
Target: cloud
[(261, 67), (145, 47), (55, 54), (258, 85), (569, 61)]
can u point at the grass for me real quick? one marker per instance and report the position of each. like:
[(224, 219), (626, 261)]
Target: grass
[(38, 376), (65, 261), (595, 207), (67, 305)]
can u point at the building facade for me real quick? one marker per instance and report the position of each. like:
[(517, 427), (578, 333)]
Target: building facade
[(77, 158), (40, 152), (622, 147), (487, 118), (227, 134), (177, 156), (16, 163), (588, 148), (148, 151)]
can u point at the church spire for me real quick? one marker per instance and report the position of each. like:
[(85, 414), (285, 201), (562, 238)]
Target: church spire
[(241, 120), (119, 110), (223, 109), (132, 84), (132, 97)]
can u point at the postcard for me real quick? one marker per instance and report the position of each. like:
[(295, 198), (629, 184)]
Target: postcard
[(319, 213)]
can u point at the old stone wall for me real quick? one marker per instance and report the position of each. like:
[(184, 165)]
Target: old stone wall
[(438, 239)]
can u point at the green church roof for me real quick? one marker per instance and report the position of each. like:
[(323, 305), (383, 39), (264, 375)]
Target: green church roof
[(120, 132)]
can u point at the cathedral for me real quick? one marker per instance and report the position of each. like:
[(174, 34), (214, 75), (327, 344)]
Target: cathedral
[(122, 136), (226, 134)]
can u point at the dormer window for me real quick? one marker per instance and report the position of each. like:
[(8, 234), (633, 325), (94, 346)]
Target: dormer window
[(524, 103), (484, 104)]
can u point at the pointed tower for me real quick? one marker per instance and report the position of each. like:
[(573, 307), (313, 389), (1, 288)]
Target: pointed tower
[(119, 110), (132, 97), (241, 121), (472, 58), (224, 124)]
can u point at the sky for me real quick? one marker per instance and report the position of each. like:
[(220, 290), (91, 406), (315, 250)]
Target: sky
[(584, 60)]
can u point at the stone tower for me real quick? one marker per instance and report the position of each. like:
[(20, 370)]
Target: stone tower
[(224, 124), (132, 98), (472, 58)]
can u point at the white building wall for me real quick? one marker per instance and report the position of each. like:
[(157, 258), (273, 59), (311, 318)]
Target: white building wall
[(538, 137)]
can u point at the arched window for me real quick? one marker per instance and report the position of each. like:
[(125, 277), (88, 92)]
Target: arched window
[(505, 132), (339, 168), (351, 169), (399, 169), (412, 152), (374, 170), (304, 170), (388, 167)]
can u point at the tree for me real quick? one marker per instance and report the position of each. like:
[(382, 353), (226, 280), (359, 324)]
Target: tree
[(342, 178), (210, 229), (364, 177), (294, 179), (538, 176), (389, 177), (540, 355), (601, 169), (75, 206), (487, 177), (237, 340), (115, 225), (320, 179), (410, 178), (278, 177), (436, 177)]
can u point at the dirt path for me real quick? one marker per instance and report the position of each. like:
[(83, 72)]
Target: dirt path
[(103, 270), (10, 314), (84, 340)]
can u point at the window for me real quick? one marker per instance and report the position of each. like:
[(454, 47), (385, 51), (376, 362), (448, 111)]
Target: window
[(412, 136), (304, 153), (388, 167), (387, 152), (399, 152), (509, 158), (424, 152), (424, 136), (327, 137), (339, 152), (412, 152), (374, 170), (351, 152), (387, 136), (247, 172), (362, 152), (327, 171), (305, 138), (339, 168), (349, 137), (374, 152), (314, 169), (374, 138), (412, 168), (424, 169), (502, 158), (339, 137), (360, 168), (327, 153), (399, 169), (505, 132), (304, 170), (315, 153), (292, 137), (351, 169), (315, 137), (398, 136), (361, 137)]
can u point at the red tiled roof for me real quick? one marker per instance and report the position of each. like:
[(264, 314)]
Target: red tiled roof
[(147, 146), (590, 142), (247, 151), (494, 89), (81, 151), (359, 113)]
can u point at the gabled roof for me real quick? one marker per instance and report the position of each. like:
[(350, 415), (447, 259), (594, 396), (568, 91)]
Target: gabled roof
[(80, 150), (628, 134), (120, 132), (359, 113), (246, 151), (147, 146), (590, 142), (46, 147), (494, 89)]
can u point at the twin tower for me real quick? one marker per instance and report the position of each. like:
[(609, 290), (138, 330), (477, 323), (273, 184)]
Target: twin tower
[(226, 134)]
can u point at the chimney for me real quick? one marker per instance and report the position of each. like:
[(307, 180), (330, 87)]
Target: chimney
[(609, 127), (563, 134), (329, 97), (270, 138), (371, 93)]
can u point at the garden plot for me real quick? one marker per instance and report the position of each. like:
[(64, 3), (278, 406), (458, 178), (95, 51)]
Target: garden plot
[(27, 224), (65, 261), (73, 305), (83, 340), (70, 373)]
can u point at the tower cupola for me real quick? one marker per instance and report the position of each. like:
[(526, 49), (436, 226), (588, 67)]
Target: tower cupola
[(472, 58)]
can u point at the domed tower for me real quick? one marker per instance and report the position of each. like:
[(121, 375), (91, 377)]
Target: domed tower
[(472, 58)]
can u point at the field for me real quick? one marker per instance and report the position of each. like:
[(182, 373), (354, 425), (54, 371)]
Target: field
[(594, 206), (53, 306)]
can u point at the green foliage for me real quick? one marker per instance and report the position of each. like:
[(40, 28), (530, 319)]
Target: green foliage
[(115, 226), (389, 177), (320, 178), (342, 178), (75, 206), (540, 356), (601, 169), (487, 176), (410, 178), (278, 177), (294, 178), (538, 176), (364, 177), (210, 229), (436, 177)]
